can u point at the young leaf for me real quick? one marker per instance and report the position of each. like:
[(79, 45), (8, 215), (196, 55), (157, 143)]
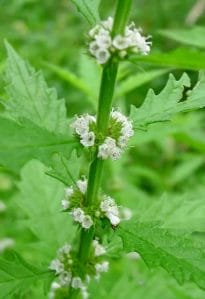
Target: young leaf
[(29, 96), (21, 143), (40, 198), (16, 276), (89, 9), (178, 252)]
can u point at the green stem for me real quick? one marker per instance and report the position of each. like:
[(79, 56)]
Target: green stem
[(104, 108)]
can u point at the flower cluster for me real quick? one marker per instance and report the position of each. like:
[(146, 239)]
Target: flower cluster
[(110, 210), (83, 127), (72, 201), (103, 45), (120, 132), (62, 266)]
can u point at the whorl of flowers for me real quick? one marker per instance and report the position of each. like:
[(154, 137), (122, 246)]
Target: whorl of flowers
[(72, 202), (120, 132), (102, 45)]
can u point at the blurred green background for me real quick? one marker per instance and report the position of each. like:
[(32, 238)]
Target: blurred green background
[(169, 159)]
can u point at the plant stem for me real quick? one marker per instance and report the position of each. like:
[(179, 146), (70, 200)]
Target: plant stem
[(104, 108)]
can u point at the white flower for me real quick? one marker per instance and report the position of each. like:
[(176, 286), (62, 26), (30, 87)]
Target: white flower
[(121, 42), (78, 214), (88, 139), (108, 24), (102, 56), (94, 31), (108, 149), (98, 248), (65, 204), (55, 285), (76, 283), (94, 47), (103, 40), (68, 192), (82, 185), (65, 278), (64, 250), (107, 203), (87, 222), (57, 266), (114, 219), (6, 244), (102, 267), (2, 206)]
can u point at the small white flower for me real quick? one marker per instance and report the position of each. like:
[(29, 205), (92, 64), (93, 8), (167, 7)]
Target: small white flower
[(121, 42), (87, 222), (76, 283), (107, 148), (65, 204), (6, 244), (55, 285), (68, 192), (2, 206), (115, 153), (103, 40), (82, 185), (94, 47), (107, 203), (92, 33), (57, 266), (88, 139), (78, 214), (114, 220), (65, 279), (64, 250), (102, 267), (98, 248), (108, 24), (102, 56)]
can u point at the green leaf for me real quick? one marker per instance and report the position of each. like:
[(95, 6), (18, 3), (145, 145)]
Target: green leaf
[(20, 143), (89, 9), (178, 252), (161, 107), (182, 58), (65, 170), (40, 198), (17, 276), (29, 96), (137, 80), (194, 36)]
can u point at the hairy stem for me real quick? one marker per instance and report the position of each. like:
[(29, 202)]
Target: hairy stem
[(104, 108)]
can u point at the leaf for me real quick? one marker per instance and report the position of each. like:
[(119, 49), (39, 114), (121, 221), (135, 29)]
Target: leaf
[(161, 107), (178, 252), (194, 36), (20, 143), (180, 58), (29, 96), (16, 276), (89, 9), (66, 171), (137, 80), (40, 198)]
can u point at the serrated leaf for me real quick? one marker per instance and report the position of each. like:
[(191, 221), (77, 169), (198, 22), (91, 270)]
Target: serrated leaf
[(89, 9), (20, 143), (161, 107), (178, 252), (17, 276), (194, 36), (29, 96), (40, 198)]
